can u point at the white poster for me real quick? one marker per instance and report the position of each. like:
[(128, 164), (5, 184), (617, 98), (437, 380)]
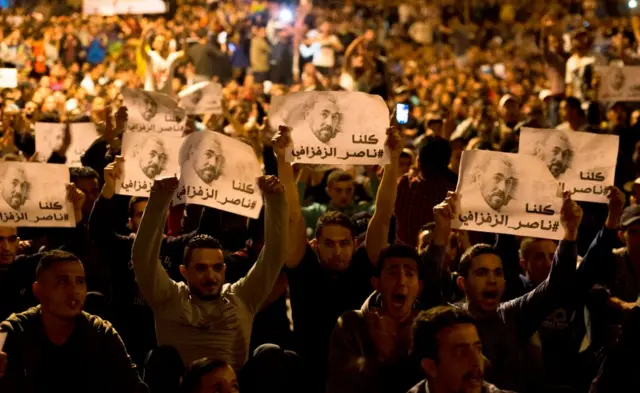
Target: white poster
[(202, 98), (582, 162), (50, 137), (507, 193), (147, 156), (220, 172), (619, 83), (35, 195), (113, 7), (152, 112), (333, 127), (8, 78)]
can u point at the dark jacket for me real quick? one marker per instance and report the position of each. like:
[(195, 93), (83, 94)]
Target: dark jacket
[(93, 356), (422, 387)]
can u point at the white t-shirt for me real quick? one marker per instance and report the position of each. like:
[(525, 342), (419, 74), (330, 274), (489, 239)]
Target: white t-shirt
[(159, 69), (323, 52), (574, 75)]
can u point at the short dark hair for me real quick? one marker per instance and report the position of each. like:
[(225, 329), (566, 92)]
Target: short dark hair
[(399, 251), (525, 246), (50, 258), (472, 252), (133, 201), (82, 172), (197, 370), (430, 226), (429, 323), (434, 154), (338, 176), (574, 103), (334, 218), (199, 241)]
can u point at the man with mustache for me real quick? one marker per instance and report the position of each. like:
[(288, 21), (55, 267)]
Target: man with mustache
[(556, 151), (447, 342), (209, 161), (68, 349), (324, 116), (497, 182), (152, 157), (15, 187)]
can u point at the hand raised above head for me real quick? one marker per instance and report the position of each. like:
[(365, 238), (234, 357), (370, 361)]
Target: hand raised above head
[(270, 185)]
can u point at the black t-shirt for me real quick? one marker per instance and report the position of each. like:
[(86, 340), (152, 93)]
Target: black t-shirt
[(319, 297)]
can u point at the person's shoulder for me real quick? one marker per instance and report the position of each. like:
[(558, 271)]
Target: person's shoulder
[(421, 387), (489, 388), (21, 322)]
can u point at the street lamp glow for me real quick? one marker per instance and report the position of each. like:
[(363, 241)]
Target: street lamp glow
[(633, 4)]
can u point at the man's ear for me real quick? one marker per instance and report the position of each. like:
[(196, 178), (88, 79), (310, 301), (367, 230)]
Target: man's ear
[(523, 265), (429, 367), (460, 284), (183, 271), (35, 287), (621, 236)]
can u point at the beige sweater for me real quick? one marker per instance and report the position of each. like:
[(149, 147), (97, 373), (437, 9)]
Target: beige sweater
[(196, 328)]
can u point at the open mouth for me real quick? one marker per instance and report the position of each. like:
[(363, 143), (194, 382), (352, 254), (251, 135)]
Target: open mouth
[(398, 300), (491, 295)]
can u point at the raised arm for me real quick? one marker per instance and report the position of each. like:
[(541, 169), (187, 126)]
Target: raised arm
[(256, 286), (142, 47), (529, 310), (155, 285), (378, 230), (297, 232)]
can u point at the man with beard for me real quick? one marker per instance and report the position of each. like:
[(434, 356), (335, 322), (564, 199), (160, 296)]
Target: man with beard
[(324, 116), (15, 187), (207, 158), (506, 329), (446, 341), (56, 346), (152, 157), (330, 274), (556, 152), (205, 317), (497, 182)]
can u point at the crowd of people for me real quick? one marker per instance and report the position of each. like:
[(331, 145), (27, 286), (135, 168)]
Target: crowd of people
[(352, 279)]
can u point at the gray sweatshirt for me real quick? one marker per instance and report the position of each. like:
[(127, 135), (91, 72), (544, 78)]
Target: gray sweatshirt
[(218, 328)]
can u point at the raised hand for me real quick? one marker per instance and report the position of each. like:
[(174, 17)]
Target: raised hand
[(281, 141), (394, 142), (570, 217), (443, 213), (77, 198), (111, 172), (616, 199), (270, 185), (164, 187)]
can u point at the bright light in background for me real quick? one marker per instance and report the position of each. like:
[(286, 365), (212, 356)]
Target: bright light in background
[(286, 15), (633, 4)]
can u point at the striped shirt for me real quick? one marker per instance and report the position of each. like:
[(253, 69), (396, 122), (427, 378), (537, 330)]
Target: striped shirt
[(197, 328)]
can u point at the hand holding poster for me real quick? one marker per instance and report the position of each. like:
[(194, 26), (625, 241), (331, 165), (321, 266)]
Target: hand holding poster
[(202, 98), (507, 193), (8, 78), (147, 156), (582, 162), (343, 128), (35, 195), (50, 137), (220, 172), (618, 83), (152, 112)]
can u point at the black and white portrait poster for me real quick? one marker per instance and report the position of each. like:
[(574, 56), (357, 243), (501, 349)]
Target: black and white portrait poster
[(34, 195), (147, 156), (50, 137), (508, 193), (219, 172), (619, 83), (343, 128), (202, 98), (582, 162), (153, 112)]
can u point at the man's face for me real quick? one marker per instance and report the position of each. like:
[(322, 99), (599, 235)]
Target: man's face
[(8, 245), (400, 286), (205, 273), (208, 162), (460, 364), (136, 215), (221, 380), (49, 104), (152, 158), (631, 237), (335, 247), (485, 284), (91, 189), (538, 260), (496, 184), (158, 43), (618, 80), (325, 121), (511, 112), (57, 138), (62, 289), (405, 164), (557, 155), (341, 193), (424, 239), (15, 188), (149, 108)]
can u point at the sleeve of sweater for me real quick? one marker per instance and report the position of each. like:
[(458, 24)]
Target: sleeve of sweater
[(254, 289), (154, 282), (13, 379), (595, 267), (121, 372), (529, 310)]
